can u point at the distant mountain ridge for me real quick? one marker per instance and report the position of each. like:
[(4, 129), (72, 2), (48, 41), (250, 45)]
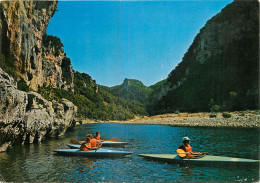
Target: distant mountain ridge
[(132, 89)]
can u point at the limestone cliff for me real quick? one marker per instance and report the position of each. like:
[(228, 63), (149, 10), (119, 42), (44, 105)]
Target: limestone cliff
[(222, 64), (23, 24), (56, 66), (28, 117), (22, 27)]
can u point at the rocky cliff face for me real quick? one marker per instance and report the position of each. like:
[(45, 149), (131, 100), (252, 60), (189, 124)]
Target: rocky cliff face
[(22, 27), (57, 69), (29, 55), (221, 64), (28, 117), (23, 24)]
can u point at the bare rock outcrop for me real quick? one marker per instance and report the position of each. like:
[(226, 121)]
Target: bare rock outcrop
[(28, 117), (23, 25), (58, 72)]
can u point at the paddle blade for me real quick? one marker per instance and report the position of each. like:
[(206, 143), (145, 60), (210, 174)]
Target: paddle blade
[(206, 153), (114, 139), (181, 153), (73, 141), (199, 153)]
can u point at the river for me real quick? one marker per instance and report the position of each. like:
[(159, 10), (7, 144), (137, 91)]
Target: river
[(37, 162)]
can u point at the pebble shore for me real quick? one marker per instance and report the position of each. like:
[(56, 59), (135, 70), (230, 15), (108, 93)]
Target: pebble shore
[(238, 119)]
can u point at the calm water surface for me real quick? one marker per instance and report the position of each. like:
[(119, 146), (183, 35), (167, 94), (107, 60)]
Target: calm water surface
[(37, 163)]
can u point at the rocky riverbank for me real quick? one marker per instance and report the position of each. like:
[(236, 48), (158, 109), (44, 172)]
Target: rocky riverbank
[(242, 119), (26, 117)]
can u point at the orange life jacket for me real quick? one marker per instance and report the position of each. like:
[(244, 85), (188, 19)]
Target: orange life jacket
[(188, 149), (98, 137), (93, 142), (83, 147)]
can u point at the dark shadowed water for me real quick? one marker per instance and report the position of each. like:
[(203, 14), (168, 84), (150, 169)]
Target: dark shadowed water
[(37, 163)]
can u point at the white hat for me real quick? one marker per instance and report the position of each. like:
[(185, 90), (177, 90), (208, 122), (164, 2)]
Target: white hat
[(185, 138)]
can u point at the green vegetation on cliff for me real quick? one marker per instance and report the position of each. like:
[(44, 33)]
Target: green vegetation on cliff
[(157, 91), (52, 41), (95, 102), (132, 89)]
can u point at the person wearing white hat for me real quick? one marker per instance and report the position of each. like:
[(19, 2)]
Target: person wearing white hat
[(187, 150)]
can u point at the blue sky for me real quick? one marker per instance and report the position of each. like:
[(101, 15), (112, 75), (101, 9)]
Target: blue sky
[(144, 40)]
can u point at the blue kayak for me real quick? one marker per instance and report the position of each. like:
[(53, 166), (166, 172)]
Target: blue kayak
[(205, 160), (73, 146), (107, 153), (113, 144)]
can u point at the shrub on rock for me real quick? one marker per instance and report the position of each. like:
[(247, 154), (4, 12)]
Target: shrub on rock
[(213, 116), (226, 115), (215, 108)]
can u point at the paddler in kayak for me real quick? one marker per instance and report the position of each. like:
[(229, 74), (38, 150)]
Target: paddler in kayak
[(97, 136), (185, 150), (86, 145), (93, 141)]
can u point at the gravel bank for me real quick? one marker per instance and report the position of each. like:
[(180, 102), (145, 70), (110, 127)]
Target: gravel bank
[(238, 119)]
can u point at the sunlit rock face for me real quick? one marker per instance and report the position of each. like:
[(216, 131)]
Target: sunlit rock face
[(22, 27), (26, 117)]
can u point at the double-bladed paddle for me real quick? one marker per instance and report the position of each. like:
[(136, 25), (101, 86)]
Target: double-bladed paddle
[(183, 154), (113, 140), (73, 141)]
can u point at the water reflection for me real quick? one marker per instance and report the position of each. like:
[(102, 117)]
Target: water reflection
[(186, 170), (83, 171)]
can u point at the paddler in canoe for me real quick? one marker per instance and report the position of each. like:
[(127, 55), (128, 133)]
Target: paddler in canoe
[(185, 150)]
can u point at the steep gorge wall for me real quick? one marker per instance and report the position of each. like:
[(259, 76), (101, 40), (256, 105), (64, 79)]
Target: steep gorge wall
[(26, 117), (221, 64), (23, 24)]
